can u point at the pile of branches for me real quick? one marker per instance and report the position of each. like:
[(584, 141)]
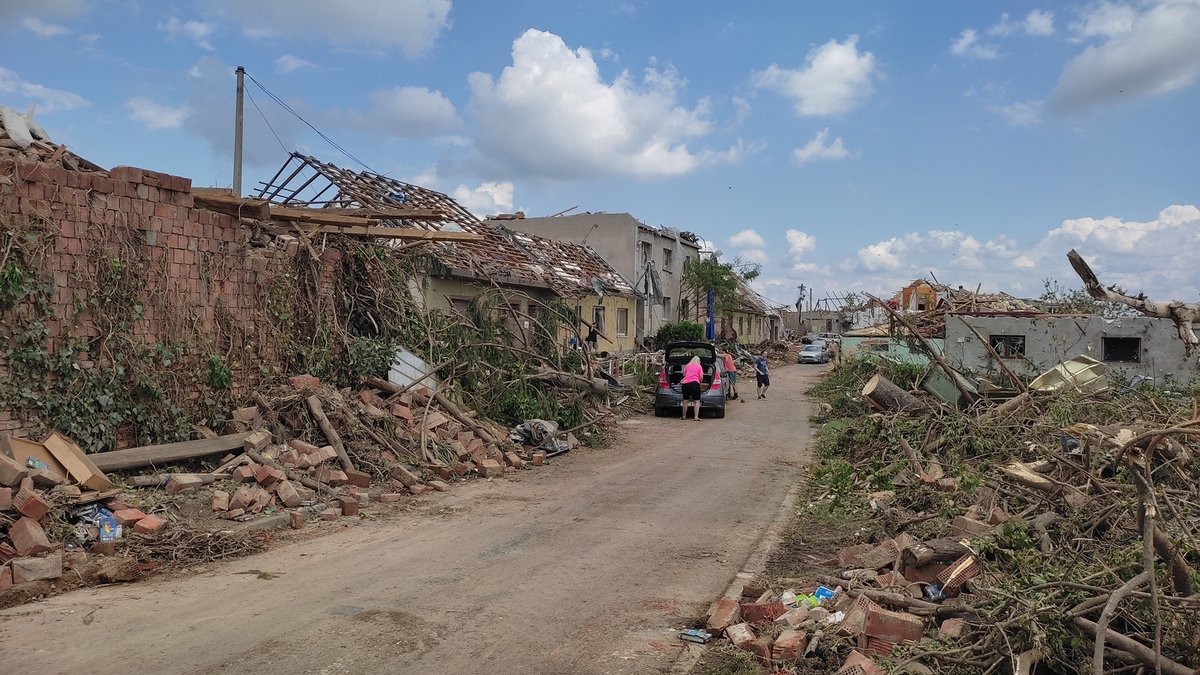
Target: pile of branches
[(1082, 510)]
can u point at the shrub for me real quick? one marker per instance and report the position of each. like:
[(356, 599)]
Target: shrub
[(680, 331)]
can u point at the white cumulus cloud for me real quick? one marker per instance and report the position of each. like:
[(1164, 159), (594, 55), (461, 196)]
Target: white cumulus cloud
[(486, 199), (551, 114), (799, 242), (819, 147), (1039, 22), (42, 28), (47, 99), (836, 78), (155, 115), (1103, 19), (413, 26), (747, 239), (402, 112), (196, 31), (290, 63), (1158, 54), (1020, 114), (968, 45)]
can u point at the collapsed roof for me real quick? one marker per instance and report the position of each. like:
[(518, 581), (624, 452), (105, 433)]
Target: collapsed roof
[(570, 270)]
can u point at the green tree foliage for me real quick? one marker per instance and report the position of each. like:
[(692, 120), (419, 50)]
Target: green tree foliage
[(680, 331), (704, 274)]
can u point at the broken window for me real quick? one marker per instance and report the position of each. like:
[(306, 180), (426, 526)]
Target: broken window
[(644, 251), (598, 318), (666, 307), (668, 256), (683, 308), (1008, 346), (1122, 349), (622, 322)]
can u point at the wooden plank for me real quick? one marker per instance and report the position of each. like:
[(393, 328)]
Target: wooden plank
[(238, 207), (413, 233), (167, 452), (319, 216), (395, 213)]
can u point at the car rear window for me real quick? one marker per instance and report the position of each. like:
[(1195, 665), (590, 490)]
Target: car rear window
[(689, 352)]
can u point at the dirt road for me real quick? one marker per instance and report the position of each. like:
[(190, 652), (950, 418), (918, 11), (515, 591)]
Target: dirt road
[(586, 566)]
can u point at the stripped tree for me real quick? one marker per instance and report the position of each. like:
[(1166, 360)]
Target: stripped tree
[(1183, 314)]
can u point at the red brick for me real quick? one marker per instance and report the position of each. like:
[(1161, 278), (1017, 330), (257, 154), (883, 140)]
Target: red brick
[(513, 460), (256, 441), (303, 447), (11, 471), (127, 517), (418, 489), (538, 458), (304, 382), (183, 482), (997, 516), (287, 494), (149, 525), (7, 552), (358, 479), (403, 412), (848, 557), (323, 454), (297, 519), (243, 474), (241, 498), (330, 476), (490, 467), (126, 173), (25, 570), (440, 486), (390, 497), (5, 578), (6, 498), (740, 634), (331, 514), (349, 506), (268, 475), (894, 627), (758, 612), (30, 504), (28, 537), (760, 647), (220, 500), (247, 414), (442, 472), (859, 664), (727, 613), (952, 628), (789, 645)]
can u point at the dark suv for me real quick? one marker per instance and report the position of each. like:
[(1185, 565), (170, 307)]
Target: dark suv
[(669, 396)]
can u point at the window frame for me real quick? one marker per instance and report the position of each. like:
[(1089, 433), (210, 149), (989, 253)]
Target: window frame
[(1009, 343), (1104, 348), (622, 322), (668, 259)]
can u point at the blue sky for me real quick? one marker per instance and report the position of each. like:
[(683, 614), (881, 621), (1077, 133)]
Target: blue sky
[(846, 146)]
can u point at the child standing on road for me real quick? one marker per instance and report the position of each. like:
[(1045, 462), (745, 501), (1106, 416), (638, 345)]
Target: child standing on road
[(764, 378), (693, 375)]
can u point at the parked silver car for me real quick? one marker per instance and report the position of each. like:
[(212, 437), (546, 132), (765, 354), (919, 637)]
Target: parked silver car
[(814, 353)]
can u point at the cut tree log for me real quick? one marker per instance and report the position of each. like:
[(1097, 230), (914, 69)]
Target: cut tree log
[(1010, 406), (932, 551), (588, 385), (1128, 644), (166, 453), (1182, 314), (885, 394), (160, 479), (314, 406)]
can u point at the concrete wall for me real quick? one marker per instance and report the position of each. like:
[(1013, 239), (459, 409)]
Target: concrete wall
[(1050, 340), (897, 349)]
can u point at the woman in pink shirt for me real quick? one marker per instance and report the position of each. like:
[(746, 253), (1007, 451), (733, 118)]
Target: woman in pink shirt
[(693, 374)]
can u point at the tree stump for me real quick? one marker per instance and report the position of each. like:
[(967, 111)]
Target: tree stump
[(886, 395)]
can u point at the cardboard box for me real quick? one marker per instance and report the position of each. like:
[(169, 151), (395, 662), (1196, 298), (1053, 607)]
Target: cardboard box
[(21, 449), (76, 463)]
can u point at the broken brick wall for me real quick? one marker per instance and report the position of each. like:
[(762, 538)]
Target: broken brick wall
[(133, 262)]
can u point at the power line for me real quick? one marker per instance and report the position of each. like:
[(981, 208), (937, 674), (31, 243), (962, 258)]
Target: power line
[(267, 122), (297, 115)]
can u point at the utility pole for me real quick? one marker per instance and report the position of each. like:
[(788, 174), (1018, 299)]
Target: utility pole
[(237, 133)]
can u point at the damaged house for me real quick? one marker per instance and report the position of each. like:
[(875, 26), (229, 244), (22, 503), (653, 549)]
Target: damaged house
[(531, 272)]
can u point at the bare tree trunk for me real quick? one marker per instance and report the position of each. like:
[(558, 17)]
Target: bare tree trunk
[(1183, 314), (885, 394)]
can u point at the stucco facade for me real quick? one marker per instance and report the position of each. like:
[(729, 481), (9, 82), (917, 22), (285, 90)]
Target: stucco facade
[(1031, 345)]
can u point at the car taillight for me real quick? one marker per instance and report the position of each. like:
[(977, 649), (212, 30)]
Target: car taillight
[(662, 379), (716, 383)]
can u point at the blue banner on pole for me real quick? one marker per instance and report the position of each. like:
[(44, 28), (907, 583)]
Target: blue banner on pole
[(710, 325)]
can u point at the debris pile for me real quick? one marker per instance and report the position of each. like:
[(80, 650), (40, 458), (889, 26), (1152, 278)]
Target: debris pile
[(22, 137), (1057, 528), (305, 450)]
